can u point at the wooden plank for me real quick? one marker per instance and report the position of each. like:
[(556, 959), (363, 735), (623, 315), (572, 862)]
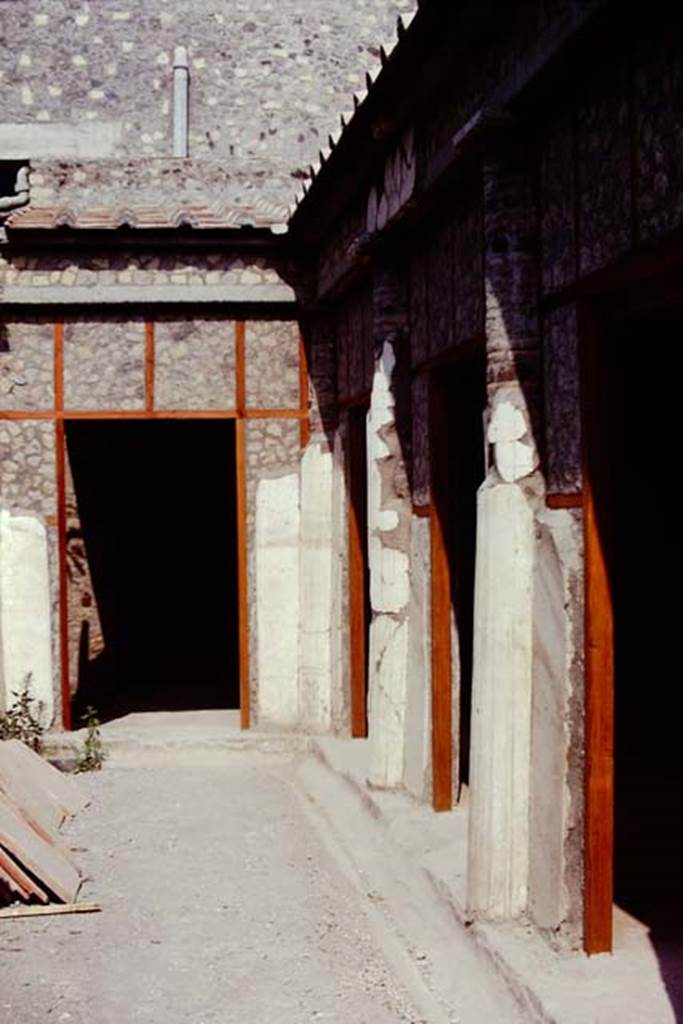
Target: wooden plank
[(63, 790), (275, 414), (599, 655), (564, 500), (38, 806), (157, 414), (358, 568), (8, 885), (145, 414), (18, 881), (441, 657), (240, 368), (305, 424), (51, 909), (149, 365), (46, 862), (28, 414), (242, 571), (599, 781), (442, 714), (59, 364), (63, 572)]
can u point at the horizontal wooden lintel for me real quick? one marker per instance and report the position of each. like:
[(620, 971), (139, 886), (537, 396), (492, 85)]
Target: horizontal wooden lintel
[(154, 414), (564, 500)]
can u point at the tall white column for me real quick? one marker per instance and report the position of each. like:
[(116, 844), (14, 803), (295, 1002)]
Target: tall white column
[(25, 612)]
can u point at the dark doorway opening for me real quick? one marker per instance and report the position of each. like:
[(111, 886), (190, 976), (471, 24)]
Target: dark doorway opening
[(458, 399), (157, 507), (639, 517), (359, 568)]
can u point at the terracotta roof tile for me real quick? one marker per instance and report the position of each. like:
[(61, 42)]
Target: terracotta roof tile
[(199, 216)]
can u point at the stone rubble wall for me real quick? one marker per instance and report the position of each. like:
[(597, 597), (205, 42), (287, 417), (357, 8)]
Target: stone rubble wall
[(266, 86), (179, 270), (104, 369)]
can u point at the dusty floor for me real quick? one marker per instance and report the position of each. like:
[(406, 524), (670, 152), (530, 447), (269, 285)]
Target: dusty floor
[(222, 902)]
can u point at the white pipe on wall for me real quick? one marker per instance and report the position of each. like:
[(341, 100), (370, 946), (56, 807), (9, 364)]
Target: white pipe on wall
[(181, 96)]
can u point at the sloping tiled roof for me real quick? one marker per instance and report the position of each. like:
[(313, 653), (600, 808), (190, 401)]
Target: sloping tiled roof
[(200, 216)]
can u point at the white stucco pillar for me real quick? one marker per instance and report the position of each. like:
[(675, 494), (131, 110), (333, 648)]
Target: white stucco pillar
[(389, 536), (25, 612), (500, 767), (318, 588), (277, 600)]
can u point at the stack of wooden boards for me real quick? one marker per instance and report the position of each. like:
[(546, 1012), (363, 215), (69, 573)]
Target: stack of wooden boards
[(35, 799)]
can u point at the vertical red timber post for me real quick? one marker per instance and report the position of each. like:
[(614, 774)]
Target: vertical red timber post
[(599, 651), (442, 704), (357, 516), (149, 366), (241, 484), (305, 423), (60, 461)]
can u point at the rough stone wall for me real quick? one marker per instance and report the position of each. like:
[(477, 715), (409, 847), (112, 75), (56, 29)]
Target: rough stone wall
[(272, 365), (26, 365), (104, 369), (27, 467), (194, 365), (47, 278), (266, 85), (104, 363)]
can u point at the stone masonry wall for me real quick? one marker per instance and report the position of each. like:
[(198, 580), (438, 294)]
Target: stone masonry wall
[(266, 84), (104, 369)]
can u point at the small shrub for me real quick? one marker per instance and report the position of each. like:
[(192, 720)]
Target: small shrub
[(22, 721), (93, 754)]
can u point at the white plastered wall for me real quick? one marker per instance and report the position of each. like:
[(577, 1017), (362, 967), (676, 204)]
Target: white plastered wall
[(25, 612)]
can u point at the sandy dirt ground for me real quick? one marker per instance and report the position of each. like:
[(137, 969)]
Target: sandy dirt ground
[(221, 902)]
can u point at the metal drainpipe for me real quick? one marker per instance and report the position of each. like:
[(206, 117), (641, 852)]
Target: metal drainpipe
[(21, 192), (181, 93)]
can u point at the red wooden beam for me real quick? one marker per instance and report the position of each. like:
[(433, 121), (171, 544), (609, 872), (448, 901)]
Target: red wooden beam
[(149, 365), (599, 653), (242, 572)]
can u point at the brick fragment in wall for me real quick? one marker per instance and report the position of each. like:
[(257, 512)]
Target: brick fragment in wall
[(26, 365), (604, 171), (658, 105), (562, 401), (272, 357), (468, 258), (440, 289), (419, 327), (264, 89), (194, 365), (104, 363), (27, 466), (558, 205), (420, 443)]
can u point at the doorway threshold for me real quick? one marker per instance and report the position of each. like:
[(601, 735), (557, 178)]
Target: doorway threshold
[(156, 731)]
